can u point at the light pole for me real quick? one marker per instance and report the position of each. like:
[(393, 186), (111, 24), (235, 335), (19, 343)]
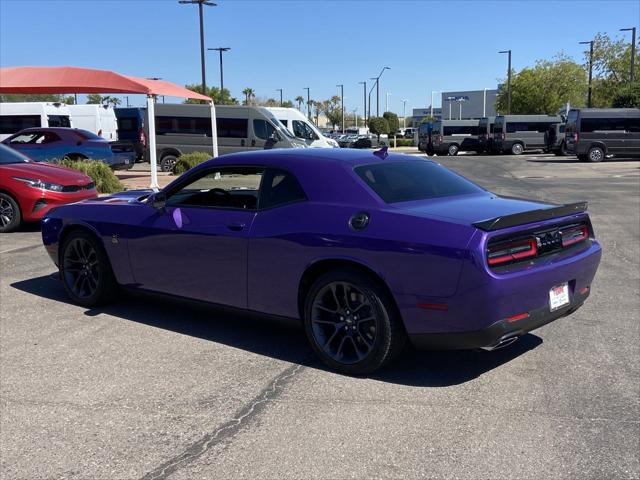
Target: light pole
[(404, 117), (308, 102), (200, 4), (432, 92), (221, 49), (342, 104), (590, 43), (508, 80), (280, 90), (364, 112), (633, 48), (370, 92), (378, 90), (460, 100), (386, 102), (450, 100), (484, 102)]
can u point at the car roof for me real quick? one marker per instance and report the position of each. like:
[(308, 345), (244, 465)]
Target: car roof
[(48, 129)]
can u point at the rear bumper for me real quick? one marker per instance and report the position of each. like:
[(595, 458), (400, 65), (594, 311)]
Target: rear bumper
[(497, 333)]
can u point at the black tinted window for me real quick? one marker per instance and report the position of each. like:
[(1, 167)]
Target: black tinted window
[(10, 124), (232, 127), (59, 121), (460, 130), (127, 124), (603, 124), (406, 181), (263, 129), (278, 188)]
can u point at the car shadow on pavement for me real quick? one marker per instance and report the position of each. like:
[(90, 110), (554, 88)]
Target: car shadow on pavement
[(283, 339)]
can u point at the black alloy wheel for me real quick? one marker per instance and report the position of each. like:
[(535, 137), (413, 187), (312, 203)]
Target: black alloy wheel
[(351, 323), (167, 163), (85, 270), (10, 216), (453, 150)]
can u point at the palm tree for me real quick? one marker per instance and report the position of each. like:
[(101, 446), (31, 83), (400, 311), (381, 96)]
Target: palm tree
[(248, 93), (300, 101)]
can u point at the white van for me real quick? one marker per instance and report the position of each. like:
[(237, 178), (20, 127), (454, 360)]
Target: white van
[(98, 119), (20, 115), (302, 128)]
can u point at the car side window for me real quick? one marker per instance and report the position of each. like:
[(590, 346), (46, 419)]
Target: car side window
[(263, 129), (279, 188), (227, 187)]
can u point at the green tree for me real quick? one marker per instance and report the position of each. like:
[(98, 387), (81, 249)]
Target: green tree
[(95, 98), (333, 110), (628, 96), (378, 126), (213, 93), (545, 88), (393, 121), (287, 104), (20, 97), (299, 100)]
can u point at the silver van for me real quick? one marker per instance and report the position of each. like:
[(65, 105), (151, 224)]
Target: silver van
[(516, 133), (448, 137), (184, 128)]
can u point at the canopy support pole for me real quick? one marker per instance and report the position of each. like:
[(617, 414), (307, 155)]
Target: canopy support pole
[(214, 130), (151, 119)]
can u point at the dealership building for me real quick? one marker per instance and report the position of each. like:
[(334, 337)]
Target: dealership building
[(463, 105)]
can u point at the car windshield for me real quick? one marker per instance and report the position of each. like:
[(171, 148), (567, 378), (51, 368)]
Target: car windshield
[(8, 155), (281, 128), (407, 181)]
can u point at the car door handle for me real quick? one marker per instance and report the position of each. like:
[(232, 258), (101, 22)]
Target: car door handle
[(236, 227)]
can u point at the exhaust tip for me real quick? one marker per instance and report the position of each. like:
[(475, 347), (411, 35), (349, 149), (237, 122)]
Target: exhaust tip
[(502, 343)]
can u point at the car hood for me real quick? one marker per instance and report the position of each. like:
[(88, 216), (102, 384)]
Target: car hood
[(471, 208), (47, 173)]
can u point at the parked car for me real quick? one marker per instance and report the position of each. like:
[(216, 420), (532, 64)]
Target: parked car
[(448, 137), (594, 134), (131, 129), (98, 119), (516, 134), (17, 116), (28, 189), (51, 144), (409, 132), (367, 249), (485, 134), (184, 128), (302, 128), (554, 139), (347, 141)]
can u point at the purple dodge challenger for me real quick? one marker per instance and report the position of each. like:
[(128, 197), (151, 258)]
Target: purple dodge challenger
[(368, 249)]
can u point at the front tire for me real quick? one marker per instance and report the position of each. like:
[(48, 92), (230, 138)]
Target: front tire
[(352, 323), (596, 154), (85, 270), (453, 150), (517, 149), (168, 162), (10, 215)]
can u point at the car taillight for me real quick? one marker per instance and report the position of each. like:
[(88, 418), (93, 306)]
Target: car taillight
[(574, 235), (511, 251), (143, 138)]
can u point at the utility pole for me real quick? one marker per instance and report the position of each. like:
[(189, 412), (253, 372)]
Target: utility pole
[(633, 49), (386, 102), (377, 79), (508, 81), (280, 90), (404, 116), (342, 104), (364, 112), (221, 49), (308, 102), (200, 4), (590, 43)]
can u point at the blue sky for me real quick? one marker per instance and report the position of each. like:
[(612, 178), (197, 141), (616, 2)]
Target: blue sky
[(429, 45)]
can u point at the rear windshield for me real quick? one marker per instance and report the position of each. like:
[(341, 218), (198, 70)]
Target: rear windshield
[(407, 181), (128, 124), (572, 121), (87, 135)]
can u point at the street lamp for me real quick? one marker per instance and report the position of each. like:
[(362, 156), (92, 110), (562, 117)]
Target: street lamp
[(377, 79), (200, 4), (460, 100), (280, 90), (221, 49), (342, 104), (450, 99), (404, 117), (308, 102), (484, 102), (633, 48), (364, 112), (590, 43), (508, 80)]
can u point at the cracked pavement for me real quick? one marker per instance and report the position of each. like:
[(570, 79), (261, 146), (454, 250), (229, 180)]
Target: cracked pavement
[(151, 389)]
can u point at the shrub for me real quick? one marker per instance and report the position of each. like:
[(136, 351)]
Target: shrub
[(190, 160), (101, 174)]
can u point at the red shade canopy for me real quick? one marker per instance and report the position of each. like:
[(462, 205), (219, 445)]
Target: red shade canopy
[(85, 80)]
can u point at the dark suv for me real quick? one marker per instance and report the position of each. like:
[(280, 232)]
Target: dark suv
[(594, 134)]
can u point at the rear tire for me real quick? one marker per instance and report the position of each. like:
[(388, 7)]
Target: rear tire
[(596, 154), (85, 270), (168, 162), (517, 149), (10, 215), (453, 150), (351, 322)]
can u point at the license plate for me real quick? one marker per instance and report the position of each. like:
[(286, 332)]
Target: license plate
[(559, 296)]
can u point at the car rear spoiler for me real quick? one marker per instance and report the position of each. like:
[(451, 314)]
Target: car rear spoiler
[(531, 216)]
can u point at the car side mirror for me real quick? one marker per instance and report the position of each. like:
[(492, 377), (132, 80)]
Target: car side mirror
[(159, 200), (274, 137)]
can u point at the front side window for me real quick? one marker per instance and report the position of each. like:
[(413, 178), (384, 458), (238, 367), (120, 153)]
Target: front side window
[(59, 121), (408, 181), (279, 188), (263, 129), (228, 187)]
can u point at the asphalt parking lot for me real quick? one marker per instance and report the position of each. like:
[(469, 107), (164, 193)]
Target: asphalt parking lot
[(150, 389)]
